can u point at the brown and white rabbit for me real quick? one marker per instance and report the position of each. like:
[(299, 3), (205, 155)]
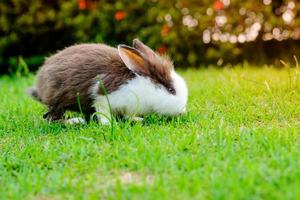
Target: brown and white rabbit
[(138, 81)]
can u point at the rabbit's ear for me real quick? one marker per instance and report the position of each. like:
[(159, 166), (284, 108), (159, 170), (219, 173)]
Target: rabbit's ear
[(149, 53), (134, 60)]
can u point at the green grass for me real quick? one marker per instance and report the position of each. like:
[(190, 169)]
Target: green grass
[(240, 139)]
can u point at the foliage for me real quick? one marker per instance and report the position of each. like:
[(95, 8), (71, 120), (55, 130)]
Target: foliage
[(193, 32), (239, 140)]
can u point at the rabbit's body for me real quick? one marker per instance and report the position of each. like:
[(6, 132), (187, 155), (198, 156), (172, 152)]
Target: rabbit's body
[(73, 76), (66, 78)]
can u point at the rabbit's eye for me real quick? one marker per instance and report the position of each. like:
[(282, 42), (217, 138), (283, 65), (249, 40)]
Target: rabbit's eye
[(171, 90)]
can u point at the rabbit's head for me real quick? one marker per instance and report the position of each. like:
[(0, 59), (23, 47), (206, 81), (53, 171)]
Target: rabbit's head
[(171, 89)]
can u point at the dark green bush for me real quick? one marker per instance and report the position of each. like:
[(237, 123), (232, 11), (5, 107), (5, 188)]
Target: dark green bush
[(184, 28)]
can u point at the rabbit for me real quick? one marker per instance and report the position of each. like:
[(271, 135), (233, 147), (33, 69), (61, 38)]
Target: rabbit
[(127, 81)]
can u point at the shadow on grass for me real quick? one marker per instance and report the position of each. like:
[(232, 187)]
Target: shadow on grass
[(38, 126), (151, 120)]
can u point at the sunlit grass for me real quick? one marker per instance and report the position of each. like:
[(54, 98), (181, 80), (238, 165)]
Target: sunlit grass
[(240, 139)]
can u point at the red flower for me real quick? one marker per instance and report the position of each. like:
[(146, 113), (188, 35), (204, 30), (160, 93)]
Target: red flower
[(120, 15), (82, 4), (162, 49), (87, 4), (165, 30), (218, 5)]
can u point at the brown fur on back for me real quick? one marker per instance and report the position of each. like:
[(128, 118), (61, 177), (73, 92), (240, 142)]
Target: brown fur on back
[(74, 71)]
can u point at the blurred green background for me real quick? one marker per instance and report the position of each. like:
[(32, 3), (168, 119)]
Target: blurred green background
[(196, 33)]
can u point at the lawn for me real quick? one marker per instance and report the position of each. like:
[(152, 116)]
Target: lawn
[(240, 139)]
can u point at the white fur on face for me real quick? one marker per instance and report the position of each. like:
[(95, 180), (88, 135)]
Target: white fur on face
[(141, 96)]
